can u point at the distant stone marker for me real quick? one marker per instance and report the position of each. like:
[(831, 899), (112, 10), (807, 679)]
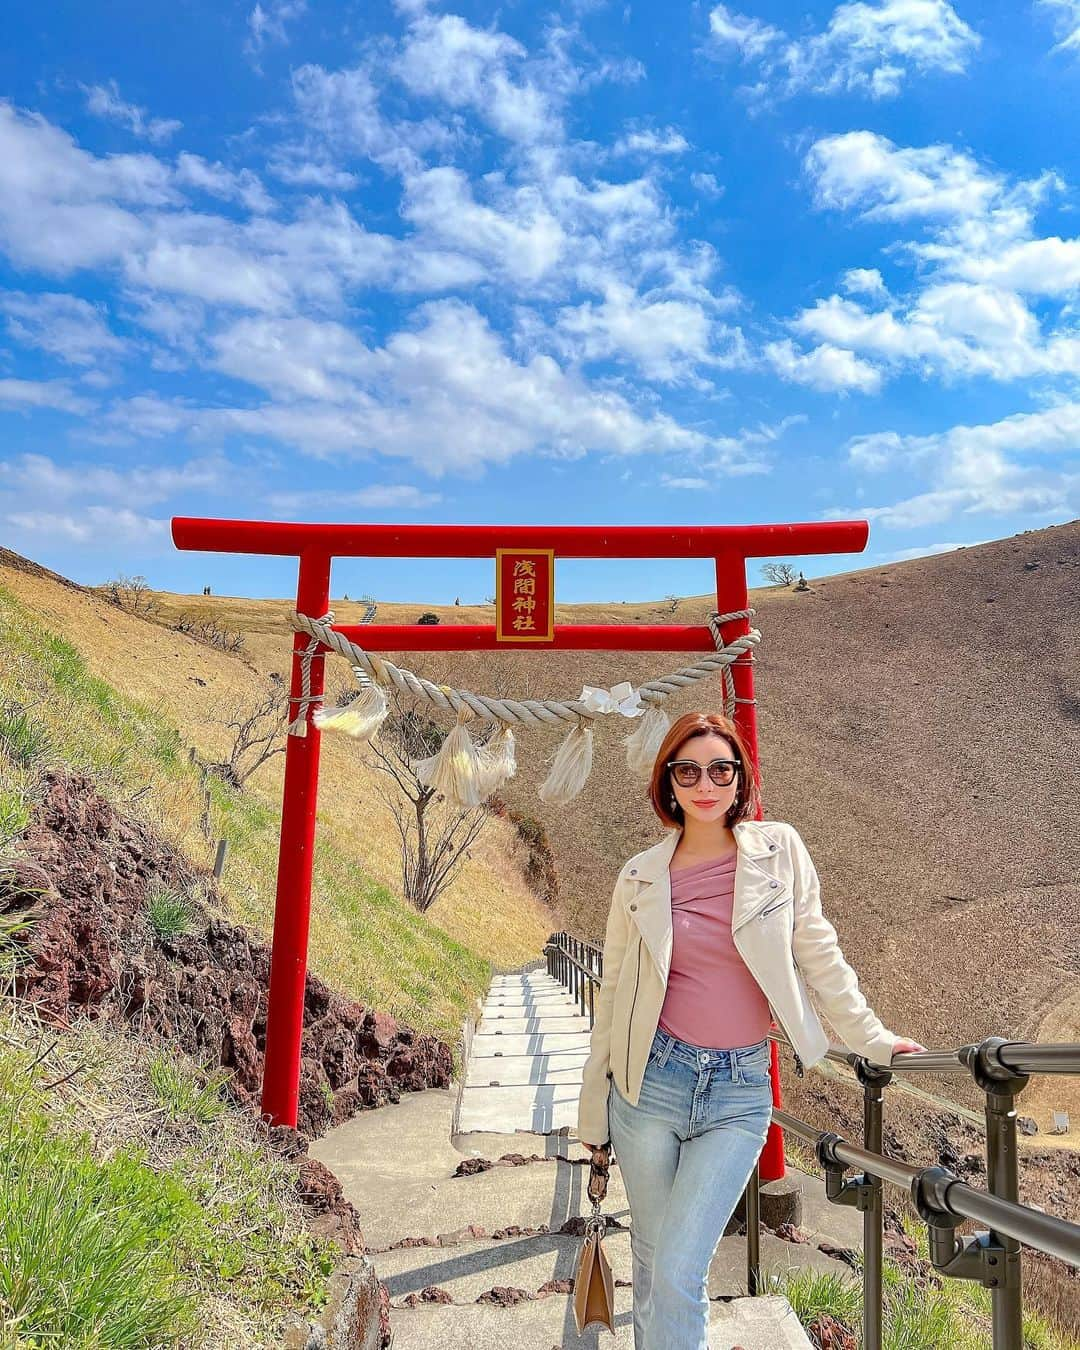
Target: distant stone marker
[(1061, 1122)]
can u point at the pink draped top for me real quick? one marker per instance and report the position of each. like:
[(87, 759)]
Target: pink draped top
[(712, 999)]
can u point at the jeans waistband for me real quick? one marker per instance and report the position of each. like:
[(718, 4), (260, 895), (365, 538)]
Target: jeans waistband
[(699, 1056)]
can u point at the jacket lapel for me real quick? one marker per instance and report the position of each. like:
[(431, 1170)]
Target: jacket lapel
[(649, 906)]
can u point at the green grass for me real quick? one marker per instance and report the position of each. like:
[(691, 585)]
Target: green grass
[(22, 737), (915, 1316), (120, 1224), (15, 808), (169, 911), (184, 1094)]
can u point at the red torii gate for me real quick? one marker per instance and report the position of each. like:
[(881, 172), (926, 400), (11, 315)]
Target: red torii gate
[(316, 545)]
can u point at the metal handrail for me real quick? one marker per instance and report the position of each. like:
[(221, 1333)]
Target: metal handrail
[(1001, 1068), (1018, 1058), (579, 965)]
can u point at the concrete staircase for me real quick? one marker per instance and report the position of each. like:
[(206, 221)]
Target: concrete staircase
[(487, 1257)]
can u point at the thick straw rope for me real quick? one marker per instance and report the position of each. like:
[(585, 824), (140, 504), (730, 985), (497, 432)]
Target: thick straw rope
[(529, 712), (300, 704)]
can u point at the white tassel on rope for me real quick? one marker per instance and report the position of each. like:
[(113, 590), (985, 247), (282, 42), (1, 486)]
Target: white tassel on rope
[(643, 745), (362, 717), (570, 769), (456, 770), (498, 760)]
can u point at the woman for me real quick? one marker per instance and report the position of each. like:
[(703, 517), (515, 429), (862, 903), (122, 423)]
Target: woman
[(704, 934)]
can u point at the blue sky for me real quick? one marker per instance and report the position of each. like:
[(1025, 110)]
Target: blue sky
[(590, 263)]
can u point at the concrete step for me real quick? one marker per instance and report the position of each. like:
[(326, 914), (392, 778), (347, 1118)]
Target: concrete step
[(528, 1043), (540, 1107), (470, 1268), (765, 1323), (514, 1022), (508, 1070)]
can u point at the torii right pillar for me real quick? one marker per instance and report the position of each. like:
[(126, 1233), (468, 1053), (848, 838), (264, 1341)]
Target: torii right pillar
[(731, 594)]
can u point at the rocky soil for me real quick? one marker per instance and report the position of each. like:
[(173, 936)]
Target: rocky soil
[(83, 876)]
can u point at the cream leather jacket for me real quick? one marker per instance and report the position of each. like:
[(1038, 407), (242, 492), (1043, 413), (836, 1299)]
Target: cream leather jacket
[(779, 931)]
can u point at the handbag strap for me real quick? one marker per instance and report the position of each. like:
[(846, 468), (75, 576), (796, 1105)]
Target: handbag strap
[(598, 1177)]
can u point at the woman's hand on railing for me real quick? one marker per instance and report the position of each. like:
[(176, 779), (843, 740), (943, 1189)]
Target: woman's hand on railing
[(903, 1047)]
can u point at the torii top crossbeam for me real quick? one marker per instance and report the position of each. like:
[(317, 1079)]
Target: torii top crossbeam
[(315, 545), (480, 541)]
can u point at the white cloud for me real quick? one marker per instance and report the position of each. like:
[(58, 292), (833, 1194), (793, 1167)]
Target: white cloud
[(1066, 19), (1050, 431), (376, 497), (976, 469), (518, 237), (444, 394), (666, 338), (217, 273), (444, 57), (94, 527), (872, 47), (293, 165), (105, 101), (651, 141), (62, 325), (684, 484), (1048, 267), (706, 184), (865, 281), (955, 327), (751, 37), (869, 48), (62, 208), (266, 24), (865, 172), (926, 551), (827, 368), (39, 478), (967, 315), (340, 110), (295, 358), (30, 395), (242, 186)]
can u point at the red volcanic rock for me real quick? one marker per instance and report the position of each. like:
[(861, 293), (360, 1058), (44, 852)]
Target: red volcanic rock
[(432, 1294), (830, 1334), (555, 1287), (470, 1166), (503, 1296), (85, 879), (331, 1215)]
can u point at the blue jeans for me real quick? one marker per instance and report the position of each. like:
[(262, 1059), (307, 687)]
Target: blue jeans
[(686, 1152)]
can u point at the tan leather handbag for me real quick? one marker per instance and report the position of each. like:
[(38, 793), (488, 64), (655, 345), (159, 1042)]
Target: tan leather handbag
[(594, 1288)]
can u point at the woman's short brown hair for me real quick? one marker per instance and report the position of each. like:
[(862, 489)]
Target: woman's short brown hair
[(748, 800)]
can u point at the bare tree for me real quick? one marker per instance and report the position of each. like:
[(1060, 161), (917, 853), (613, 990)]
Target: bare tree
[(206, 628), (779, 573), (258, 733), (130, 593), (435, 836)]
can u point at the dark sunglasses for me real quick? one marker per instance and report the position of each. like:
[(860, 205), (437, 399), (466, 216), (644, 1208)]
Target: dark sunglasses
[(687, 772)]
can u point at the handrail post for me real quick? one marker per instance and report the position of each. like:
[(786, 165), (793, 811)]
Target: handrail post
[(1001, 1086), (752, 1197), (873, 1082)]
